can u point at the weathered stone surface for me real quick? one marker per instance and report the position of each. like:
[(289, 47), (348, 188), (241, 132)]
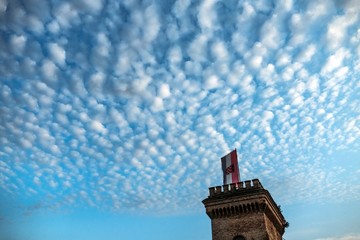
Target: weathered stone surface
[(244, 210)]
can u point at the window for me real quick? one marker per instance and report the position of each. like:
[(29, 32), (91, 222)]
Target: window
[(239, 238)]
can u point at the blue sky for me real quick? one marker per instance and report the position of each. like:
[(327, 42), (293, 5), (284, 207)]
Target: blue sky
[(114, 114)]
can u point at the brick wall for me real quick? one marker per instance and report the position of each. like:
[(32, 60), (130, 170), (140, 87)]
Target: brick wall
[(251, 226), (270, 228)]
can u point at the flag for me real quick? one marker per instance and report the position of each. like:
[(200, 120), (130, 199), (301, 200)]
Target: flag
[(230, 168)]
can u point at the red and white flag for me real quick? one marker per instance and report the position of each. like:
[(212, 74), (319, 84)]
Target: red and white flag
[(230, 168)]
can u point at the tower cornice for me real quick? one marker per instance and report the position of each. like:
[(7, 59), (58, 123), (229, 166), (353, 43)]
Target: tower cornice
[(238, 199)]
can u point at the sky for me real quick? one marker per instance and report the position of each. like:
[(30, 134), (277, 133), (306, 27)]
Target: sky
[(114, 114)]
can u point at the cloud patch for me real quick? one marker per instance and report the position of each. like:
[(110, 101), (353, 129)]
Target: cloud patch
[(129, 105)]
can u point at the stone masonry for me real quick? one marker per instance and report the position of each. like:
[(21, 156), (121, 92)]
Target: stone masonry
[(244, 211)]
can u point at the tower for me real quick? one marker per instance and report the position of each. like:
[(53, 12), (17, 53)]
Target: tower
[(244, 211)]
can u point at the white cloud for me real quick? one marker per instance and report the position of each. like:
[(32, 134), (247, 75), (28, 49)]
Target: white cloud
[(140, 85), (270, 35), (98, 126), (103, 45), (307, 54), (180, 7), (334, 61), (288, 74), (256, 61), (336, 30), (164, 90), (268, 74), (25, 143), (286, 5), (297, 98), (96, 82), (93, 5), (65, 14), (197, 48), (35, 24), (57, 53), (313, 84), (283, 59), (256, 55), (207, 15), (157, 105), (297, 25), (317, 9), (247, 85), (49, 70), (219, 51), (268, 115), (341, 73), (17, 43), (53, 27), (212, 82), (64, 107), (175, 55), (152, 26)]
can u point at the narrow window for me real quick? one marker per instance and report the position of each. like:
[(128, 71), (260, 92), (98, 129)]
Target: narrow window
[(239, 238)]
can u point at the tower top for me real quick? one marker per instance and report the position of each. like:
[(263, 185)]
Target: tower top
[(244, 210)]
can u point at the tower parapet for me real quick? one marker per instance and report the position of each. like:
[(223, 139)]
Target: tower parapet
[(244, 210), (233, 187)]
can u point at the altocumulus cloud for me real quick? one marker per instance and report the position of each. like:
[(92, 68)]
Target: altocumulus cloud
[(129, 104)]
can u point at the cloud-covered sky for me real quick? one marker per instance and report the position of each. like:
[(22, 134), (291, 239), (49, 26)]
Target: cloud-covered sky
[(127, 106)]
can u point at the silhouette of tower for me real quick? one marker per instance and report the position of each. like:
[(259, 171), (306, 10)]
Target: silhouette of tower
[(244, 211)]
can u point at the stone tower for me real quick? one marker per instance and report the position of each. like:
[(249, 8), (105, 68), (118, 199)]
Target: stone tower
[(244, 211)]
